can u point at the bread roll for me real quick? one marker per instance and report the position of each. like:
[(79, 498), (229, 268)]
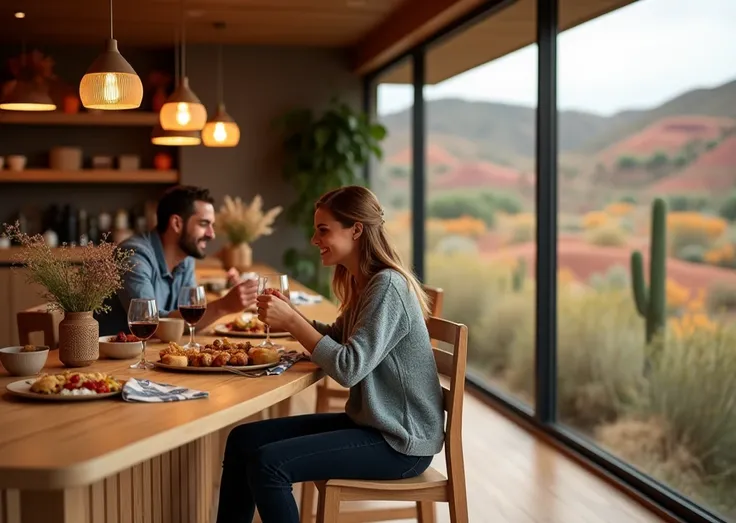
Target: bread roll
[(174, 360), (263, 355)]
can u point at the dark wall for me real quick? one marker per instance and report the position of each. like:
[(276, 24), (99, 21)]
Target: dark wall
[(261, 83), (35, 141)]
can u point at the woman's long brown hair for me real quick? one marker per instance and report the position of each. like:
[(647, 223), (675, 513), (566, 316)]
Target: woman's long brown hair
[(350, 205)]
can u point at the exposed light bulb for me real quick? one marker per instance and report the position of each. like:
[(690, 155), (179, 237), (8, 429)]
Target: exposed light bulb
[(111, 90), (220, 134), (20, 14), (183, 116)]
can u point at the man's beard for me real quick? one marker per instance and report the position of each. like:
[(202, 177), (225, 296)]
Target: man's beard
[(189, 246)]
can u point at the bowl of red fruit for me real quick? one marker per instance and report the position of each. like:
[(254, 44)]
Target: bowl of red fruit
[(122, 346)]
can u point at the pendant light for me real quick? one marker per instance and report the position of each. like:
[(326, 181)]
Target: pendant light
[(221, 130), (27, 95), (159, 136), (183, 111), (110, 82)]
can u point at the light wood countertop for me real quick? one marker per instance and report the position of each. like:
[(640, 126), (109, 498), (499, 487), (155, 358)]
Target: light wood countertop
[(55, 445)]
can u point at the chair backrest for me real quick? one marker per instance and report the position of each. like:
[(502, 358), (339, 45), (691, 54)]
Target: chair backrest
[(435, 296), (39, 319), (453, 366)]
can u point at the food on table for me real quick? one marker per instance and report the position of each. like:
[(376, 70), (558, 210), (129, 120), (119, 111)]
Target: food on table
[(76, 383), (31, 348), (124, 338), (253, 325), (219, 353), (263, 355)]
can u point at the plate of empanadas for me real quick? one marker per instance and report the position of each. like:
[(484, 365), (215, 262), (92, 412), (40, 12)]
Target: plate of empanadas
[(68, 386), (247, 325), (218, 356)]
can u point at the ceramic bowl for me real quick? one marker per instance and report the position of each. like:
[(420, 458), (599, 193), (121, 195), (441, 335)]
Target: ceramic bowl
[(19, 363), (119, 351), (170, 329)]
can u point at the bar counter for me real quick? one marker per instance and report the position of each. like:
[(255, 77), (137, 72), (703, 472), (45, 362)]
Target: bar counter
[(111, 461)]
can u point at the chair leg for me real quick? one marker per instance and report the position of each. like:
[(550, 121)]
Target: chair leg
[(331, 505), (307, 503), (320, 505), (425, 512)]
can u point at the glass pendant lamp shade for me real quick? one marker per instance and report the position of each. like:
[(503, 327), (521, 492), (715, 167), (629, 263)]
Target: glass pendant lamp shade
[(183, 111), (110, 82), (27, 96), (160, 136), (221, 130)]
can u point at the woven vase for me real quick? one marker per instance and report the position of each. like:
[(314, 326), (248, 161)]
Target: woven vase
[(79, 335), (239, 256)]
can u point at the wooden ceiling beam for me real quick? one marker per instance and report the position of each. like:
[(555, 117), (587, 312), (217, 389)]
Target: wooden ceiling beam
[(411, 23)]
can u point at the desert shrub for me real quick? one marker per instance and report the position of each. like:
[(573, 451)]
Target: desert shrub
[(600, 356), (465, 226), (617, 277), (595, 219), (607, 236), (728, 207), (721, 297), (507, 203), (629, 198), (687, 202), (693, 387), (724, 256), (627, 162), (693, 228), (691, 253), (457, 205), (521, 228), (619, 209), (457, 244)]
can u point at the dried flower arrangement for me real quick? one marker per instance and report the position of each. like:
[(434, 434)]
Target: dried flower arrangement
[(72, 286), (243, 223)]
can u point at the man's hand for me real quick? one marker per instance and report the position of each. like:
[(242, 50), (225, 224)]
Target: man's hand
[(233, 277), (240, 297)]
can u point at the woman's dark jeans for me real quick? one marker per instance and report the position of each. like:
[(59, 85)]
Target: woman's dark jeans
[(264, 458)]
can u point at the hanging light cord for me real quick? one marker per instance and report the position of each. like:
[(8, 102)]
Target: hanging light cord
[(183, 43), (111, 20), (220, 87)]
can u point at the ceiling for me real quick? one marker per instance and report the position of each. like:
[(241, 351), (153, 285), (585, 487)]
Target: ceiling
[(322, 23), (501, 33)]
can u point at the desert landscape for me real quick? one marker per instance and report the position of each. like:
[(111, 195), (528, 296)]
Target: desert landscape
[(666, 403)]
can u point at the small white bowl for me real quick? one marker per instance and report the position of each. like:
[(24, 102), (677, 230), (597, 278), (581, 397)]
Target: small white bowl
[(170, 329), (19, 363), (119, 351)]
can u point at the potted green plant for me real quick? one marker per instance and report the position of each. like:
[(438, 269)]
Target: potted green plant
[(242, 225), (76, 284), (322, 153)]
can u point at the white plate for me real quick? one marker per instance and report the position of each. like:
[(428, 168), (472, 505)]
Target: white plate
[(224, 331), (190, 368), (22, 388)]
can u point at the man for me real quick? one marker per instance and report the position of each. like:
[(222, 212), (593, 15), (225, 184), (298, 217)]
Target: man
[(163, 262)]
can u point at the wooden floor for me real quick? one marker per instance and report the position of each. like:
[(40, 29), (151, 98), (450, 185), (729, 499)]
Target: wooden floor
[(512, 477)]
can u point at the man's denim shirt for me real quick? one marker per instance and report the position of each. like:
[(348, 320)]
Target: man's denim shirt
[(150, 278)]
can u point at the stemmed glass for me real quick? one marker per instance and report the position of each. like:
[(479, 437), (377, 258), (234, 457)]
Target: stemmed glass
[(192, 306), (143, 322), (283, 282)]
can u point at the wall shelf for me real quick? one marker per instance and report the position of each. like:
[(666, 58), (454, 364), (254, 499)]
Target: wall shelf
[(102, 118), (90, 176)]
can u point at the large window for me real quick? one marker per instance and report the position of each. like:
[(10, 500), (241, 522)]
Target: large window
[(647, 167), (391, 177), (480, 158)]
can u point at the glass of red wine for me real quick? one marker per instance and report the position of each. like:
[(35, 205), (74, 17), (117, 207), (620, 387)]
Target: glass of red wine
[(192, 306), (143, 322)]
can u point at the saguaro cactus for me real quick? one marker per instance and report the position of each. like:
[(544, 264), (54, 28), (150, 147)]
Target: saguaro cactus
[(518, 275), (651, 303)]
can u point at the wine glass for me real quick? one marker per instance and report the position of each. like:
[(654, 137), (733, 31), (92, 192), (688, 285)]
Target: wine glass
[(143, 322), (283, 282), (192, 306)]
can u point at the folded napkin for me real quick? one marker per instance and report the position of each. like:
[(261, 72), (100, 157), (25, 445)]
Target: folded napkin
[(288, 358), (303, 298), (150, 392)]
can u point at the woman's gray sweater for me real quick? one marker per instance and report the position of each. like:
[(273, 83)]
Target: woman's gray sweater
[(386, 360)]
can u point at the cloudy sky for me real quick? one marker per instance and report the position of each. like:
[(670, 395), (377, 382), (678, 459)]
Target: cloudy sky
[(636, 57)]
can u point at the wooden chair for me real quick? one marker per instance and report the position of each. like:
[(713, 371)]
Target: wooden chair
[(431, 486), (39, 319), (328, 390)]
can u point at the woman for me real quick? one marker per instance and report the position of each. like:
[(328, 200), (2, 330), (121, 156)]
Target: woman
[(379, 347)]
